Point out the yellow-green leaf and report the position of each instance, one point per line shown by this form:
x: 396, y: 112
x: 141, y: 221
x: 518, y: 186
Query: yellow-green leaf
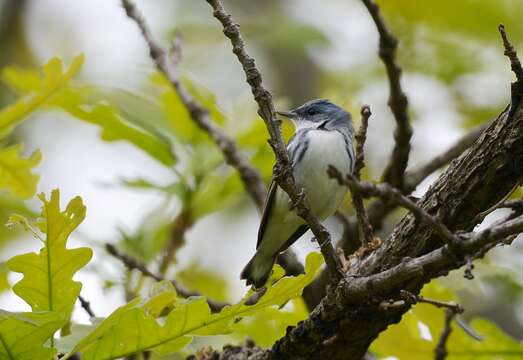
x: 495, y: 344
x: 47, y: 284
x: 114, y: 127
x: 54, y: 80
x: 16, y: 171
x: 416, y: 336
x: 133, y: 328
x: 23, y: 335
x: 4, y: 283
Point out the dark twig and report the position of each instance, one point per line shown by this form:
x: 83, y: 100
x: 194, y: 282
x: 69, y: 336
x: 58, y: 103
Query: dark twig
x: 511, y: 53
x: 366, y: 233
x: 390, y: 194
x: 134, y: 264
x: 408, y: 299
x: 469, y: 266
x: 176, y: 240
x: 86, y: 305
x: 283, y: 168
x: 440, y: 352
x: 414, y: 299
x: 199, y: 114
x: 377, y: 210
x: 398, y: 102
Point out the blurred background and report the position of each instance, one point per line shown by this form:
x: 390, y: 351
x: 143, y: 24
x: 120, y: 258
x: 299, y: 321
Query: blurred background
x: 455, y: 75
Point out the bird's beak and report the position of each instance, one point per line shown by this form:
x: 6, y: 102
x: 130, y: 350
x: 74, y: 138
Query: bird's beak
x: 287, y: 114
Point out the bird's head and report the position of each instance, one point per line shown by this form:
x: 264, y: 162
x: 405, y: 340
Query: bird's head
x: 318, y: 113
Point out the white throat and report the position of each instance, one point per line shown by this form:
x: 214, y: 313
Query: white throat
x: 304, y: 124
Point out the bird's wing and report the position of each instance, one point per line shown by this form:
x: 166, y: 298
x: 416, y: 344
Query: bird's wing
x: 296, y: 148
x: 295, y: 236
x: 271, y: 195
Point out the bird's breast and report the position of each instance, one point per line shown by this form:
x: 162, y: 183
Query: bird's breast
x: 324, y: 148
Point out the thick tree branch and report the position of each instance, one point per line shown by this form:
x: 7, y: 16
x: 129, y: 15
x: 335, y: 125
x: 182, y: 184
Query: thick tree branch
x: 414, y: 254
x: 378, y: 210
x: 133, y: 264
x: 199, y: 114
x: 398, y: 102
x: 283, y: 169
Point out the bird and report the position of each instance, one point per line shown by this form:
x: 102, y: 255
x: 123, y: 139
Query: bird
x: 323, y: 136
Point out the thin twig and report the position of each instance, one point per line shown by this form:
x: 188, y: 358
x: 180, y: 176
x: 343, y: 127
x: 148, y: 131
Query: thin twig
x: 390, y: 194
x: 469, y: 266
x: 440, y: 352
x: 176, y: 240
x: 398, y: 102
x: 134, y: 264
x: 414, y: 299
x: 365, y: 228
x: 86, y: 305
x: 511, y: 53
x: 408, y: 299
x: 283, y: 169
x: 378, y: 210
x: 251, y: 177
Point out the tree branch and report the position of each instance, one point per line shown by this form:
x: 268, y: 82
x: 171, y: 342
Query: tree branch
x: 133, y: 264
x: 413, y: 254
x: 398, y: 102
x: 392, y: 195
x: 366, y: 232
x: 440, y: 351
x: 86, y: 305
x: 199, y: 114
x: 511, y: 53
x: 283, y: 174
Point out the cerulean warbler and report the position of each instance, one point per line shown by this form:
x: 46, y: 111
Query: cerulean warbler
x: 323, y: 137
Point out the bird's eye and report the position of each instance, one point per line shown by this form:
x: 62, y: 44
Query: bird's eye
x: 312, y: 111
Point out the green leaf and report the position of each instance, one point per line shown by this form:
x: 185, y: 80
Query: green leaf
x: 405, y: 341
x: 179, y: 120
x: 15, y: 171
x: 8, y: 205
x: 207, y: 282
x: 54, y: 79
x: 150, y: 237
x: 495, y: 344
x: 270, y: 324
x: 133, y: 327
x: 115, y: 127
x: 47, y: 284
x: 4, y: 283
x: 215, y: 192
x: 78, y: 101
x: 23, y: 335
x: 177, y: 188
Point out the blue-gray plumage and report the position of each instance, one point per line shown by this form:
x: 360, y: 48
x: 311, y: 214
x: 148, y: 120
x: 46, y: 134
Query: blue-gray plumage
x: 323, y: 137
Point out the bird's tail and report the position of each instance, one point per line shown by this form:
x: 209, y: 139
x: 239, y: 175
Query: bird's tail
x: 258, y: 270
